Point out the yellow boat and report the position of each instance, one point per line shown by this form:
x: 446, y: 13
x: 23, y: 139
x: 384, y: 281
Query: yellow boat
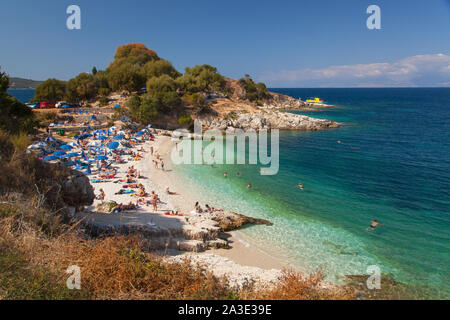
x: 314, y: 100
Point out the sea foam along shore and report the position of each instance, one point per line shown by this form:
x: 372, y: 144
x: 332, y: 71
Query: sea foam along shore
x: 240, y: 262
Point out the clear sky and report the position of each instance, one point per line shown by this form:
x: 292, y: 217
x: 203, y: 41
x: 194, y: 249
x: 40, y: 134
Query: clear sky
x: 283, y: 43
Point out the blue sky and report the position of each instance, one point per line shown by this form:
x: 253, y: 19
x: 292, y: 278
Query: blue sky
x: 283, y: 43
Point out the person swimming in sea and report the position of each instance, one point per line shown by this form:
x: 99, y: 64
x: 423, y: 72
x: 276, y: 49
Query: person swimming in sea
x: 300, y: 186
x: 373, y: 225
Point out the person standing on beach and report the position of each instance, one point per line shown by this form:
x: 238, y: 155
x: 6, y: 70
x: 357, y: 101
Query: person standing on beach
x: 151, y: 150
x: 162, y: 165
x: 155, y: 201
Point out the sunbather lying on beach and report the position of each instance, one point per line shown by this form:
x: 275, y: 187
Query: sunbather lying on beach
x: 124, y: 191
x: 168, y: 192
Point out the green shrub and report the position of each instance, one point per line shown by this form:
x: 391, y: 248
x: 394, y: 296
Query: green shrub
x: 185, y: 119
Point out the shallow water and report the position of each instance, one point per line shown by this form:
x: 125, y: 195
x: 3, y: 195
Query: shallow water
x: 393, y: 165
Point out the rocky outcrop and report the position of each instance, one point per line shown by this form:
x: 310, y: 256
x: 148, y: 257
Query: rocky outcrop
x: 77, y: 191
x: 283, y: 102
x: 268, y: 120
x: 197, y: 233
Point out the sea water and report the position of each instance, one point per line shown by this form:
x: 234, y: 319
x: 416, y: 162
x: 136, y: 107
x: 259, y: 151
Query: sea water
x: 392, y: 164
x: 390, y: 160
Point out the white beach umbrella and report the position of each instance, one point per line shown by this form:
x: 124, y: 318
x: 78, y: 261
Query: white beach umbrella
x: 93, y: 144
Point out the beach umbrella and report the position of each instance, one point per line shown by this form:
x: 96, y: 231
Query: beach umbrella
x: 93, y: 144
x: 50, y: 158
x: 41, y: 144
x: 59, y: 153
x: 72, y: 154
x: 139, y: 134
x: 66, y: 147
x: 48, y: 139
x: 73, y: 144
x: 102, y: 138
x: 101, y: 158
x: 69, y: 163
x: 117, y: 106
x: 149, y: 126
x: 113, y: 145
x: 82, y: 137
x: 119, y: 137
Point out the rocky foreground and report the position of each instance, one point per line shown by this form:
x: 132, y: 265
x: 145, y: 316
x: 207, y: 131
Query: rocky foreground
x: 195, y: 233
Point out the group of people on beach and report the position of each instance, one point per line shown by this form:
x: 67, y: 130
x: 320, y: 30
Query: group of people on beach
x: 198, y: 209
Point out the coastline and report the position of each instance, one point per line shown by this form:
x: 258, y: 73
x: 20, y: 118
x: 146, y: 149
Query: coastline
x: 242, y: 251
x: 241, y: 262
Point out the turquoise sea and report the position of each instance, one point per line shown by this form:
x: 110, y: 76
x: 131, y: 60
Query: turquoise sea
x: 393, y: 164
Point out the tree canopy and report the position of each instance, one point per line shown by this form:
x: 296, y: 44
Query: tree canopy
x: 201, y: 78
x: 83, y: 87
x: 52, y: 90
x: 254, y: 91
x: 15, y: 117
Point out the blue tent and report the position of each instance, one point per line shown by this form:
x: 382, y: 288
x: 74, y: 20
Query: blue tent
x: 113, y: 145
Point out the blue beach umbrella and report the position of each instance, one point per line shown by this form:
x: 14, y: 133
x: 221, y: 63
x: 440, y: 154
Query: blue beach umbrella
x: 120, y: 137
x: 102, y: 138
x: 50, y: 158
x: 72, y: 154
x: 113, y: 145
x: 101, y: 158
x: 139, y: 134
x: 59, y: 153
x: 117, y: 106
x: 66, y: 147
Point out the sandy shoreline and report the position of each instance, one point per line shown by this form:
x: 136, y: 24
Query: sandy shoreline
x: 243, y: 262
x: 242, y: 252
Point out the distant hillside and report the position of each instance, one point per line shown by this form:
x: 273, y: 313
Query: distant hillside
x: 19, y: 83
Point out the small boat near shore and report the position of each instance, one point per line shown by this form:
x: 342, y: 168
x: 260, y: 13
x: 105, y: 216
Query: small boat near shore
x: 314, y: 100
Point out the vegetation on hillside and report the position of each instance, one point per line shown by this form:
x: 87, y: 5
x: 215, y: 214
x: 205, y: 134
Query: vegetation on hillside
x: 136, y: 67
x: 254, y: 91
x: 15, y: 117
x: 20, y: 83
